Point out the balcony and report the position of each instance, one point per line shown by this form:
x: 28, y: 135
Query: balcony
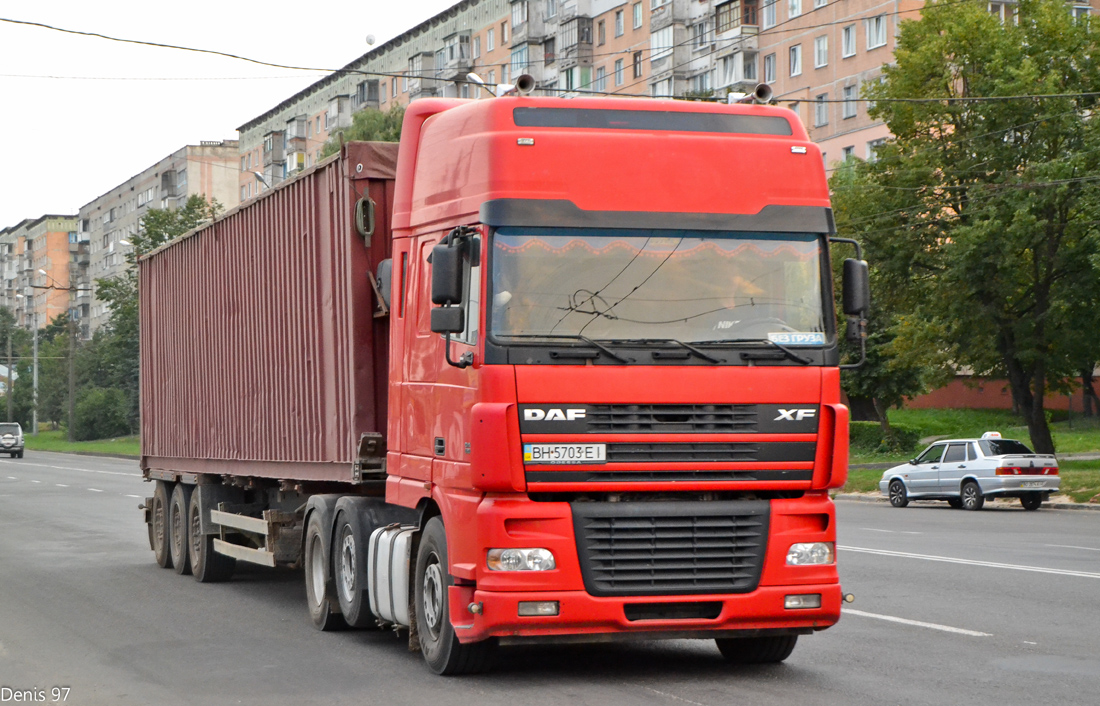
x: 671, y: 12
x: 574, y: 45
x: 273, y: 148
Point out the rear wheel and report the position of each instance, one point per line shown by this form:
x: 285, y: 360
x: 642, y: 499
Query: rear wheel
x: 178, y: 529
x: 317, y: 567
x: 159, y: 524
x: 438, y: 642
x: 1031, y: 501
x: 898, y: 496
x: 350, y: 574
x: 756, y: 650
x: 972, y: 498
x: 206, y: 564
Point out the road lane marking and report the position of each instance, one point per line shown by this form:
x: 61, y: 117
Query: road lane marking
x: 133, y: 496
x: 36, y: 481
x: 972, y: 562
x: 73, y: 468
x: 12, y: 478
x: 915, y: 623
x: 872, y: 529
x: 1070, y: 546
x: 61, y: 485
x: 95, y: 490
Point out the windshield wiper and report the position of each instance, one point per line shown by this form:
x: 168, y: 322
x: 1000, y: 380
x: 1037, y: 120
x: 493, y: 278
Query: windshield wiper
x: 787, y: 352
x: 686, y: 346
x: 575, y: 336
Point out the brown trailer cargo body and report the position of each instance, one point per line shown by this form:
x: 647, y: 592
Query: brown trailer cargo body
x: 260, y: 352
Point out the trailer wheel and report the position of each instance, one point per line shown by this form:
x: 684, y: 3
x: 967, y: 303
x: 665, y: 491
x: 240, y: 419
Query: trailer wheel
x: 318, y: 571
x: 756, y: 650
x: 438, y: 642
x: 349, y: 572
x: 159, y: 524
x: 177, y: 528
x: 207, y: 565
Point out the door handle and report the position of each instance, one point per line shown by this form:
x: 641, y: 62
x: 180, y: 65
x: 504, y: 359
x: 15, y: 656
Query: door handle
x: 935, y: 468
x: 962, y: 466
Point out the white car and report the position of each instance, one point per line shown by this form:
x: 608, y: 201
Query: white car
x: 11, y: 439
x: 965, y: 472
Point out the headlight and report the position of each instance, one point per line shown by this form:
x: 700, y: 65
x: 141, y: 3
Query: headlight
x: 521, y: 560
x: 811, y: 553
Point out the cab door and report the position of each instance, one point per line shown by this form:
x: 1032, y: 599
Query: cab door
x: 953, y: 467
x: 924, y: 477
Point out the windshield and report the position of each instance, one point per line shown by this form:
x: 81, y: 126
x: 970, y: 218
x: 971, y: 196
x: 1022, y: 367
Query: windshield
x: 9, y: 429
x: 694, y: 286
x: 1002, y: 447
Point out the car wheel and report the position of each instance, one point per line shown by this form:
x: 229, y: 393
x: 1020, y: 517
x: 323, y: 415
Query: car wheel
x: 159, y: 524
x: 898, y: 496
x: 955, y: 502
x: 1031, y: 501
x: 207, y: 566
x: 972, y: 498
x: 320, y: 594
x: 756, y: 650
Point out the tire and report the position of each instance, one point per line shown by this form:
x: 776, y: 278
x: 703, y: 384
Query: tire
x: 756, y: 650
x: 349, y: 571
x: 898, y: 497
x: 956, y: 503
x: 20, y: 455
x: 323, y: 608
x: 159, y: 524
x: 442, y: 651
x: 1031, y: 501
x: 972, y: 498
x: 207, y: 566
x: 178, y: 530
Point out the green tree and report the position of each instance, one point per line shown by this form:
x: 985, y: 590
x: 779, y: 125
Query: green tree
x: 368, y: 125
x: 981, y: 212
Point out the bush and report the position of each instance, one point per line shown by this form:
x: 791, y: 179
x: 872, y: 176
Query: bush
x: 867, y: 437
x: 101, y: 414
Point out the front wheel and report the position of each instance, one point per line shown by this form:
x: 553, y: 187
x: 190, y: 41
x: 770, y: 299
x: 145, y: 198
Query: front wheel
x: 898, y: 496
x: 972, y: 498
x: 756, y: 650
x: 438, y: 642
x: 1031, y: 501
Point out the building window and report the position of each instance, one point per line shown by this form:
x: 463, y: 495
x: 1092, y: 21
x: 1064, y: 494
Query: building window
x: 699, y: 35
x: 794, y: 8
x: 796, y: 60
x: 477, y: 47
x: 519, y: 15
x: 821, y: 110
x: 489, y: 45
x: 637, y: 15
x: 700, y: 84
x: 750, y: 66
x: 849, y: 152
x: 876, y: 31
x: 769, y: 14
x: 728, y: 16
x: 660, y: 43
x: 600, y: 84
x: 729, y: 70
x: 619, y: 23
x: 551, y: 8
x: 819, y: 3
x: 619, y: 72
x: 873, y: 147
x: 549, y: 50
x: 1080, y: 12
x: 503, y: 33
x: 1005, y: 11
x: 663, y: 89
x: 821, y: 51
x: 849, y: 105
x: 519, y: 61
x: 769, y: 68
x: 637, y: 64
x: 601, y: 33
x: 848, y: 41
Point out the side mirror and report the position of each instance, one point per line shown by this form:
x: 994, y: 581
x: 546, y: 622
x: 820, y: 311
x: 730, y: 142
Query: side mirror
x: 446, y: 276
x: 857, y: 288
x: 448, y: 319
x: 912, y: 462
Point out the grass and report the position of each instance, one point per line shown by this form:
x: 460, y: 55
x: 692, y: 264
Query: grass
x: 58, y: 441
x: 1080, y: 479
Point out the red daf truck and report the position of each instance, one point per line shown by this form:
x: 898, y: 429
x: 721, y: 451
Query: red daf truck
x: 552, y: 370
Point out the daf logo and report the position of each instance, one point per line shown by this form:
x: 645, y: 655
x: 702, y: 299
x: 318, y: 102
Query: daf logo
x: 795, y: 415
x: 552, y: 415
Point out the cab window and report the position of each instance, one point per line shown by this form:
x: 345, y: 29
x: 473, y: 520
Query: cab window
x: 955, y: 453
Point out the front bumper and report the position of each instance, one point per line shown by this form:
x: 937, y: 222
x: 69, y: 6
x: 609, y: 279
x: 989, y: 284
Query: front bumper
x: 581, y: 614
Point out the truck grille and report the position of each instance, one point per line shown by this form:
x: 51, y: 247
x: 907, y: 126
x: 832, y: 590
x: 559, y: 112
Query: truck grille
x: 671, y: 548
x: 672, y: 418
x: 711, y: 452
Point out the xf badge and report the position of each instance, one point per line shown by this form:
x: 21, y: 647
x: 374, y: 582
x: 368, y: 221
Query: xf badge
x: 795, y: 415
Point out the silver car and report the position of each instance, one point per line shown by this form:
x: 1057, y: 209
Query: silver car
x: 11, y: 439
x: 965, y: 472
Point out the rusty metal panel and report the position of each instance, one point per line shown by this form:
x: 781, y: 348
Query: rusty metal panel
x: 258, y: 337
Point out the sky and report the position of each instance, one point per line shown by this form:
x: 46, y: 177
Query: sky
x: 80, y: 115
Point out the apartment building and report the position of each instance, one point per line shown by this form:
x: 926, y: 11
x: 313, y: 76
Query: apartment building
x: 44, y: 269
x: 107, y: 224
x: 817, y: 55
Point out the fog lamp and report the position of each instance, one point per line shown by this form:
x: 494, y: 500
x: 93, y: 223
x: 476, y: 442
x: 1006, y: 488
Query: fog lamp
x: 800, y: 602
x: 537, y: 608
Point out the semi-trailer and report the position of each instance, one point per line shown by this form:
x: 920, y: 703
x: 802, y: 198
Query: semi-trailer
x: 547, y: 370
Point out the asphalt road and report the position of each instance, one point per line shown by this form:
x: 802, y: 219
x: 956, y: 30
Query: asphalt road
x: 993, y: 607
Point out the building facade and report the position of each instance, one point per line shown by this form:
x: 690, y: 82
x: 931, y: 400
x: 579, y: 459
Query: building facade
x: 44, y: 268
x: 107, y: 224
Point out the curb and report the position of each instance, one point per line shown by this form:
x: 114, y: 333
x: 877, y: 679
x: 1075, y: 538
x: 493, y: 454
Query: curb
x: 868, y: 498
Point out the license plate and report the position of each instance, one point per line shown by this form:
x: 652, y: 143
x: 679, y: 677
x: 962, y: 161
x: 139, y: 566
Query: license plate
x: 1032, y: 484
x: 564, y: 453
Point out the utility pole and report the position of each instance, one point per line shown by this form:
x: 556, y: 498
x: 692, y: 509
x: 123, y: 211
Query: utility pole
x: 34, y: 395
x: 11, y: 391
x: 72, y: 374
